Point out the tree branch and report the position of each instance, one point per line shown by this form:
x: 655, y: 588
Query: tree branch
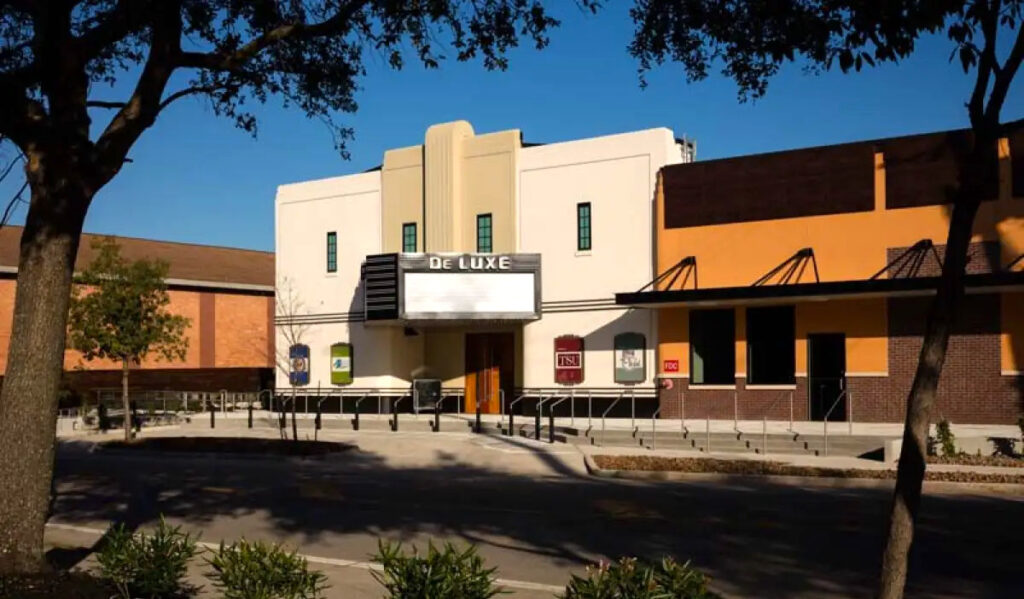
x: 987, y: 63
x: 142, y: 108
x: 125, y: 17
x: 231, y: 61
x: 104, y: 104
x: 188, y: 91
x: 1004, y: 77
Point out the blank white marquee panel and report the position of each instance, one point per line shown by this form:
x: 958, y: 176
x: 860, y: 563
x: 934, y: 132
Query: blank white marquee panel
x: 469, y: 293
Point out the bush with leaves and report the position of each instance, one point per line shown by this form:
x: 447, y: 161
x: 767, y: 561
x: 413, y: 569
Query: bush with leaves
x: 946, y: 438
x: 147, y: 566
x: 440, y: 574
x: 630, y: 579
x: 257, y: 570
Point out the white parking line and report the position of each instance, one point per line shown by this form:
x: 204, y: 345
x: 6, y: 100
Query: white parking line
x: 328, y: 561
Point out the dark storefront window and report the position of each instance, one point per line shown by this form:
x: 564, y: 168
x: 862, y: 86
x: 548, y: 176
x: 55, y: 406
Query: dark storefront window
x: 771, y: 345
x: 583, y: 240
x: 332, y: 252
x: 484, y: 234
x: 712, y: 347
x: 409, y: 237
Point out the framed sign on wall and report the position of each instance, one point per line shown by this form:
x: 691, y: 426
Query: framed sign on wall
x: 341, y: 364
x: 569, y: 360
x: 630, y: 358
x: 298, y: 360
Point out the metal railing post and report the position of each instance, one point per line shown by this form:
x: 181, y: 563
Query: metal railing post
x: 654, y: 428
x: 682, y: 413
x: 536, y: 418
x: 590, y: 410
x: 551, y: 423
x: 477, y: 425
x: 213, y: 415
x: 736, y: 410
x: 632, y: 411
x: 707, y: 442
x: 825, y: 424
x: 572, y: 407
x: 605, y: 414
x: 790, y: 411
x: 223, y: 401
x: 437, y: 415
x: 250, y: 414
x: 849, y: 410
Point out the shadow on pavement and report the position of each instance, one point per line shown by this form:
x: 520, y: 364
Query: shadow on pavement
x: 755, y: 540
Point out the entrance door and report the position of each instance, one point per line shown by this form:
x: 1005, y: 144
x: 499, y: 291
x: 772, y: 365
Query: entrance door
x: 489, y: 364
x: 826, y: 375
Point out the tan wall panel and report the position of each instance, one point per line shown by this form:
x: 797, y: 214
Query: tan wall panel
x: 1011, y: 338
x: 442, y: 185
x: 240, y: 338
x: 488, y: 187
x: 445, y: 355
x: 401, y: 196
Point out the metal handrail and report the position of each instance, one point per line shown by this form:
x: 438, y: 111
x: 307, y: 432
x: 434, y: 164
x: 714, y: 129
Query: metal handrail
x: 603, y: 424
x: 394, y: 414
x: 551, y: 418
x: 537, y: 416
x: 829, y: 413
x: 764, y: 415
x: 654, y: 428
x: 511, y: 414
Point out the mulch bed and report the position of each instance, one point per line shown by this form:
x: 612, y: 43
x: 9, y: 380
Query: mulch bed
x: 967, y: 459
x: 60, y: 585
x: 759, y: 467
x: 232, y: 445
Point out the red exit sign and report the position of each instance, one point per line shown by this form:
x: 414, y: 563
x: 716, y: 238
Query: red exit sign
x: 671, y: 366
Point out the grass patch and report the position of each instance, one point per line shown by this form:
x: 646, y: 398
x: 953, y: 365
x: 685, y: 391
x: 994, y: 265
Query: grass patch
x: 232, y: 445
x: 769, y: 468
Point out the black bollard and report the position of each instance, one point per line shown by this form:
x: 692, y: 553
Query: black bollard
x: 213, y: 415
x: 536, y: 422
x: 551, y: 425
x: 437, y: 417
x: 282, y: 419
x: 511, y: 422
x: 355, y: 421
x: 250, y: 414
x: 295, y: 428
x: 478, y: 417
x: 394, y: 416
x: 136, y: 423
x: 317, y: 422
x: 104, y: 418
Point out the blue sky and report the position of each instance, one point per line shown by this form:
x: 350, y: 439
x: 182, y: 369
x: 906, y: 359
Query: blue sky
x: 195, y: 178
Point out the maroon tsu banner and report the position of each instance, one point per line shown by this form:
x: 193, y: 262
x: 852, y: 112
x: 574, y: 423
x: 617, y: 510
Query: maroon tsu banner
x: 568, y: 360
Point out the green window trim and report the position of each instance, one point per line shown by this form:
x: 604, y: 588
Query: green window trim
x: 484, y: 234
x: 409, y: 238
x: 584, y: 239
x: 332, y: 251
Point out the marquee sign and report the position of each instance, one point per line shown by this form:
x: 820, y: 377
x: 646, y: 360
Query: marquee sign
x: 341, y: 364
x: 569, y: 360
x: 449, y: 286
x: 630, y: 358
x: 298, y: 361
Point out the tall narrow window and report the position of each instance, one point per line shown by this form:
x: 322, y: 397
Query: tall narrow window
x: 771, y: 345
x: 409, y: 237
x: 484, y: 234
x: 332, y: 252
x: 583, y: 240
x: 712, y: 342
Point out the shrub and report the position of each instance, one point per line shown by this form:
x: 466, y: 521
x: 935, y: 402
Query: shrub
x: 245, y: 570
x: 147, y: 566
x: 449, y: 572
x: 947, y: 441
x: 629, y: 579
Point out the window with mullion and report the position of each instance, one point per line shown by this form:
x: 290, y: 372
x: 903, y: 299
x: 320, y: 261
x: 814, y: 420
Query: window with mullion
x: 409, y: 237
x: 332, y: 252
x: 583, y: 227
x: 484, y: 234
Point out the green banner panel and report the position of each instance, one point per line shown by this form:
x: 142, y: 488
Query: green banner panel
x: 341, y: 364
x: 630, y: 358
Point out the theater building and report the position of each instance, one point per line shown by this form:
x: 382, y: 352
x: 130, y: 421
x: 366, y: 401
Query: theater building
x: 478, y: 260
x: 798, y: 282
x: 226, y: 293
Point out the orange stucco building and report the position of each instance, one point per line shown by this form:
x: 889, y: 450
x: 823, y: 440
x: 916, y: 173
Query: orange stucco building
x: 799, y: 281
x: 226, y: 293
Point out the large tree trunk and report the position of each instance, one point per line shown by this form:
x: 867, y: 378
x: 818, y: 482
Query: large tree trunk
x: 128, y: 414
x: 28, y: 402
x: 941, y: 317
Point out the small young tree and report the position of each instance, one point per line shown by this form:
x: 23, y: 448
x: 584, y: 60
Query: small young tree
x: 119, y: 312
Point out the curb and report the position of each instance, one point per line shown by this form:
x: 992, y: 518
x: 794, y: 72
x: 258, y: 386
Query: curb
x: 933, y: 486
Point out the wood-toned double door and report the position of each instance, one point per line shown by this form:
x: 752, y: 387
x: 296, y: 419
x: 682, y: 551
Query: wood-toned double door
x: 490, y: 361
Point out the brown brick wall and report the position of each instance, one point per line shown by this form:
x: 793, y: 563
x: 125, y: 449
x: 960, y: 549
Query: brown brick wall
x: 971, y: 390
x: 172, y: 379
x: 241, y: 331
x: 983, y: 257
